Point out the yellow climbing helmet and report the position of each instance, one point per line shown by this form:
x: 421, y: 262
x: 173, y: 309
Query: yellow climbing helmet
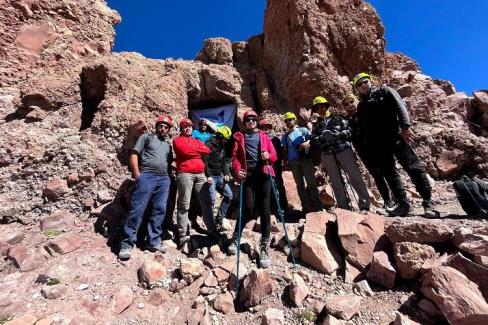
x: 360, y: 76
x: 289, y: 115
x: 225, y: 131
x: 320, y: 100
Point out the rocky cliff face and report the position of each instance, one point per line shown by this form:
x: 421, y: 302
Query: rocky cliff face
x: 70, y: 108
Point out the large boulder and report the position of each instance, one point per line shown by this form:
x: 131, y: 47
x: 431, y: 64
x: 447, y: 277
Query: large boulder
x: 473, y: 241
x: 257, y: 286
x: 317, y: 249
x: 473, y: 271
x: 360, y: 235
x: 458, y: 298
x: 409, y: 258
x: 419, y: 231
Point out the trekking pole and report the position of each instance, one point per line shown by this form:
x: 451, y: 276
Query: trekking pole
x: 239, y: 225
x: 280, y: 211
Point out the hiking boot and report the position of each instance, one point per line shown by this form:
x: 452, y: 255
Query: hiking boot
x: 160, y: 248
x: 401, y: 210
x: 429, y: 210
x: 389, y: 205
x: 232, y: 248
x: 264, y: 260
x: 125, y: 253
x: 183, y: 241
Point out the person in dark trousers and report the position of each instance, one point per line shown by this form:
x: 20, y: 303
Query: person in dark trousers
x: 332, y: 134
x: 191, y: 178
x: 217, y: 172
x: 152, y: 184
x: 385, y: 126
x: 296, y: 144
x: 252, y: 160
x: 349, y: 103
x: 267, y: 127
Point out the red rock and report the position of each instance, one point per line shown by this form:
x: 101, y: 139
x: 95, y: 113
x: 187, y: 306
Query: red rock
x: 421, y: 231
x: 316, y: 222
x: 331, y: 320
x: 352, y: 273
x: 257, y: 286
x: 191, y: 269
x: 429, y: 308
x: 53, y: 292
x: 65, y: 243
x: 473, y: 271
x: 151, y: 272
x: 433, y: 263
x: 273, y: 316
x: 73, y: 179
x: 343, y: 307
x: 122, y: 300
x: 381, y: 270
x: 481, y: 100
x: 216, y: 50
x: 298, y: 290
x: 449, y: 162
x: 12, y: 237
x: 33, y: 38
x: 360, y: 235
x: 211, y: 280
x: 158, y: 297
x: 45, y: 321
x: 61, y: 220
x: 458, y: 298
x: 224, y: 303
x: 363, y: 289
x: 24, y: 259
x: 403, y: 320
x: 409, y: 258
x: 25, y: 319
x: 319, y: 252
x: 472, y: 241
x: 291, y: 191
x: 4, y: 248
x: 55, y: 189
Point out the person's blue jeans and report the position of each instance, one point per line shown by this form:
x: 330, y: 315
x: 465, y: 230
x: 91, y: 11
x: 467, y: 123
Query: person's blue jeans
x: 223, y: 188
x: 148, y: 187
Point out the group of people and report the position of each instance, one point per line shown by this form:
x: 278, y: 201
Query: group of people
x: 377, y: 126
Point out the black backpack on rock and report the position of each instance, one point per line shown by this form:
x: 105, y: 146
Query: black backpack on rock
x: 473, y: 196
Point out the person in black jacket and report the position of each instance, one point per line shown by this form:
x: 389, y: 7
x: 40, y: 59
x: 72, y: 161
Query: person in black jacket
x: 349, y: 103
x: 217, y: 172
x: 332, y: 134
x: 386, y: 133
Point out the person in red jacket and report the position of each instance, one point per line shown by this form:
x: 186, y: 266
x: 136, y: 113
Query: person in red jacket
x: 191, y: 177
x: 252, y: 159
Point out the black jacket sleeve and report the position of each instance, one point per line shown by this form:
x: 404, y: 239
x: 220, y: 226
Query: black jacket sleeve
x: 400, y: 107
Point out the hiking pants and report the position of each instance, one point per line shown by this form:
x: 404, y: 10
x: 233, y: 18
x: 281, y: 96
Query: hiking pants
x: 377, y: 175
x: 410, y: 162
x: 257, y: 187
x: 303, y: 171
x: 219, y: 185
x: 333, y: 162
x: 149, y: 187
x: 188, y: 183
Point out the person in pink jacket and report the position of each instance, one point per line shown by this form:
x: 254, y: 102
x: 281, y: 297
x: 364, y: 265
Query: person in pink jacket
x: 252, y: 159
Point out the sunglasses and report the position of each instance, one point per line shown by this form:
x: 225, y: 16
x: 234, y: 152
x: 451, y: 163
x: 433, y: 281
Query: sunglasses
x: 360, y: 83
x: 250, y: 120
x: 289, y: 120
x: 348, y: 103
x: 162, y: 126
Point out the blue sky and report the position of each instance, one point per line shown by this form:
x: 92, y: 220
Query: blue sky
x: 448, y: 39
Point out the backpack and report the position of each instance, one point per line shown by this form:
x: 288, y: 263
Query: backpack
x: 472, y: 194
